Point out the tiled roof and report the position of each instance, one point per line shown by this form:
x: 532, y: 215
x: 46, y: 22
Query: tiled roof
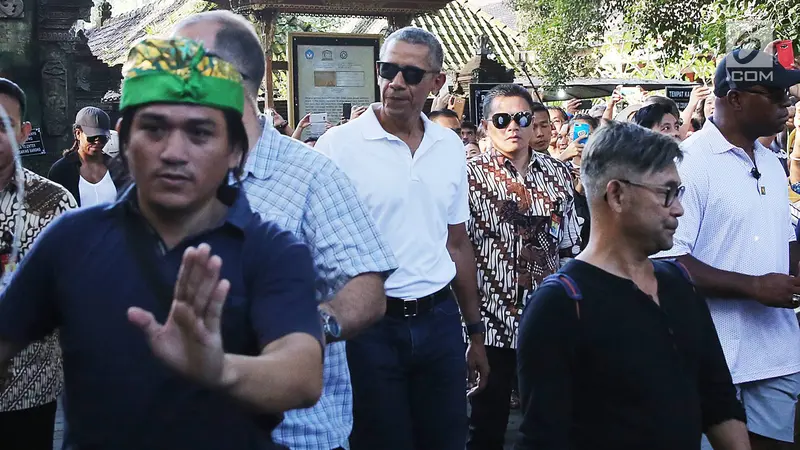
x: 458, y: 26
x: 112, y: 41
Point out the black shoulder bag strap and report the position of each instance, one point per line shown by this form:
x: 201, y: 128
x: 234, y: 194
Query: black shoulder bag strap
x: 140, y: 244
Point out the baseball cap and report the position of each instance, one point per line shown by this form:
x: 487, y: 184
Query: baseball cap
x: 93, y: 121
x: 743, y: 69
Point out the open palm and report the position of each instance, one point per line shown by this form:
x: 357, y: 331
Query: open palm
x: 190, y: 341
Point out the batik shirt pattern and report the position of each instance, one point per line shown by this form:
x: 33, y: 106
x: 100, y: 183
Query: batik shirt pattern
x: 36, y: 378
x: 522, y: 228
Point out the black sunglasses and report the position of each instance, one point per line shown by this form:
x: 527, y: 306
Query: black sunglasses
x: 411, y: 74
x: 778, y: 96
x: 95, y: 139
x: 671, y: 193
x: 503, y: 120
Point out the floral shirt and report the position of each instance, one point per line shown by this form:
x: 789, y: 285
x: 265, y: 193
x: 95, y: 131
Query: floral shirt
x: 522, y: 227
x: 35, y: 373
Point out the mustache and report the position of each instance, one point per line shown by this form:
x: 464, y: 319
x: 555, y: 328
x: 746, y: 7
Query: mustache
x: 175, y: 172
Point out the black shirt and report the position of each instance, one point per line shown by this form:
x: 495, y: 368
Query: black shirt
x: 618, y: 371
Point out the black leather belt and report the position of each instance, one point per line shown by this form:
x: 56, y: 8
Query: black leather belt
x: 401, y: 308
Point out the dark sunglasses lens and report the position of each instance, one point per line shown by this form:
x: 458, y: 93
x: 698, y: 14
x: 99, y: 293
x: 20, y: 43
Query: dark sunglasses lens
x: 96, y: 139
x: 523, y: 119
x: 413, y: 75
x: 501, y: 120
x: 388, y: 70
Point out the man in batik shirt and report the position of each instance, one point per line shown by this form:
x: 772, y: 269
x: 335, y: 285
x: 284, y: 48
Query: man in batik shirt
x: 522, y: 225
x: 33, y: 380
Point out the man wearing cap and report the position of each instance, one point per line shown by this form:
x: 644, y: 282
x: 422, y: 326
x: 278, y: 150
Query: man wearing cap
x: 84, y: 168
x: 28, y: 400
x: 227, y: 341
x: 735, y: 237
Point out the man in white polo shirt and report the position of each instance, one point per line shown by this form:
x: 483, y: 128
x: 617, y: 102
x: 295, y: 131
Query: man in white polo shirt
x: 408, y: 371
x: 735, y: 238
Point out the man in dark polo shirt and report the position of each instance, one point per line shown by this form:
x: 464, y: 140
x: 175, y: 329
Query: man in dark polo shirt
x: 167, y: 345
x: 617, y: 351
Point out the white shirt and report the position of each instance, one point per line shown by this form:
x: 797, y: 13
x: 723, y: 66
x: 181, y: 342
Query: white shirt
x: 736, y: 223
x: 92, y: 194
x: 412, y: 200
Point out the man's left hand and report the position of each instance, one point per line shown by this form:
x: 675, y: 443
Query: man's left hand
x: 190, y: 341
x: 477, y: 365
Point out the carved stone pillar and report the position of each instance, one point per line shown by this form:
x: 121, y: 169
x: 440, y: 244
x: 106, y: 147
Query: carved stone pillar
x: 264, y: 21
x: 397, y: 21
x: 57, y: 40
x: 14, y: 9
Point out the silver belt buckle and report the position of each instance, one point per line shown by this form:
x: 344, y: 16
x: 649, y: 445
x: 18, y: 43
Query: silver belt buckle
x: 407, y: 309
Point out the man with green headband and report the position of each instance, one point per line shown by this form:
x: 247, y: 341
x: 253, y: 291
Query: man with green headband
x: 228, y: 339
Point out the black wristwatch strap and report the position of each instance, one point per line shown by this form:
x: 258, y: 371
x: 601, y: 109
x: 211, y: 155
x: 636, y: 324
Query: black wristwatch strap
x: 476, y: 328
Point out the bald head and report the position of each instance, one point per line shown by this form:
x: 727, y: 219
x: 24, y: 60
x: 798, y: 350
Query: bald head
x: 232, y: 38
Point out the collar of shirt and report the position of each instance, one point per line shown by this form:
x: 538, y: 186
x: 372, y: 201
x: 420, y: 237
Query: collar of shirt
x: 719, y: 144
x: 504, y: 161
x: 264, y: 151
x: 238, y: 215
x: 372, y: 130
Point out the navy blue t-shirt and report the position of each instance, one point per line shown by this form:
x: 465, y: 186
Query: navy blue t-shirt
x: 80, y: 278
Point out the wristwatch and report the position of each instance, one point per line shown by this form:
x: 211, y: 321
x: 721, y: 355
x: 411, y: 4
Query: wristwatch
x: 476, y: 328
x: 333, y: 332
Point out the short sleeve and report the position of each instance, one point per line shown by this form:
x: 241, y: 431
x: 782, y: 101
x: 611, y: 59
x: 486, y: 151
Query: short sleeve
x: 28, y: 305
x: 694, y: 176
x: 459, y: 209
x: 344, y: 240
x: 281, y: 288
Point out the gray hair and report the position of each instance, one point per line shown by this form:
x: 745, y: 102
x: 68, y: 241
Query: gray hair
x: 619, y: 150
x: 418, y: 36
x: 236, y: 42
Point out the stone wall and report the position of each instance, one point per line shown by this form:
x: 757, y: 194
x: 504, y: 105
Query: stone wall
x: 17, y: 58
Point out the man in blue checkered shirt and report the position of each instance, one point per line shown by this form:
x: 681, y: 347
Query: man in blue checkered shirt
x: 304, y: 192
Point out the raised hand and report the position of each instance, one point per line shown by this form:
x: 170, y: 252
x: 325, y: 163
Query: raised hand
x: 573, y: 105
x: 190, y: 341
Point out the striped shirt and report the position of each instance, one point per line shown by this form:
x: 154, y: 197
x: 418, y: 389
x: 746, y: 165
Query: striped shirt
x: 521, y: 227
x: 304, y: 192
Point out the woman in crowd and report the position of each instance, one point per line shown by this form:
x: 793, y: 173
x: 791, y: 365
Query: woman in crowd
x: 84, y: 168
x: 659, y: 118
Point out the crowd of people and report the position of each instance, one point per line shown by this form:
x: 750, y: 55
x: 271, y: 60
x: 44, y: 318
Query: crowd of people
x: 219, y: 280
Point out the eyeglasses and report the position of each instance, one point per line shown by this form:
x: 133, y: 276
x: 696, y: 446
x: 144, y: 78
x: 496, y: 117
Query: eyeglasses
x: 503, y: 120
x: 778, y: 96
x: 102, y: 139
x: 411, y: 74
x: 671, y: 193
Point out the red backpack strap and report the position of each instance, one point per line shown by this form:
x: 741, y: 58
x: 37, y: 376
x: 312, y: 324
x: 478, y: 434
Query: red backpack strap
x: 569, y: 285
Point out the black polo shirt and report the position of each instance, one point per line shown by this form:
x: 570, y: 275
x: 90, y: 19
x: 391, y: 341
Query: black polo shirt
x: 619, y: 371
x: 81, y: 277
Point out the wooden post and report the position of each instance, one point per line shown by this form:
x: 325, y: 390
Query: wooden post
x: 264, y: 21
x: 397, y: 21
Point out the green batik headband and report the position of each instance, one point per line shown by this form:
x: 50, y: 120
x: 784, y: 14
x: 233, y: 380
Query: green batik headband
x: 179, y: 71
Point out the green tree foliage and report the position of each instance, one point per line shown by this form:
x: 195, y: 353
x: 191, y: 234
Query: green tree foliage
x: 568, y: 37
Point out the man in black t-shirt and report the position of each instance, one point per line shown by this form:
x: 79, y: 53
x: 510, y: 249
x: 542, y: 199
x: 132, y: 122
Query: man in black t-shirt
x: 616, y: 351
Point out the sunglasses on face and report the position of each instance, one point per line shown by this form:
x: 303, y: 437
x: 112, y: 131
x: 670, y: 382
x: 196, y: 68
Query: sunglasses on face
x: 102, y: 139
x: 503, y: 120
x: 778, y: 96
x: 411, y: 74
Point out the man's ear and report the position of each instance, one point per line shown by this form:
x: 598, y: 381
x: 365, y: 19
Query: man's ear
x: 24, y: 132
x: 119, y: 125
